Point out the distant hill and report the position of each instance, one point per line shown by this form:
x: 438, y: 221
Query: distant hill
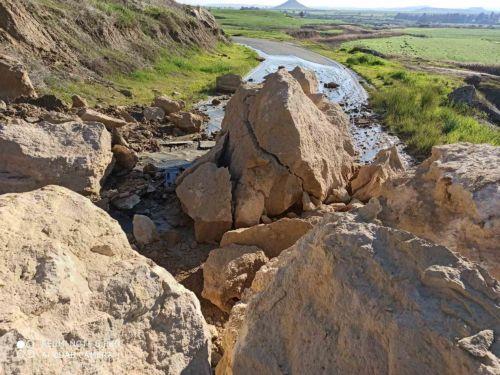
x: 291, y: 5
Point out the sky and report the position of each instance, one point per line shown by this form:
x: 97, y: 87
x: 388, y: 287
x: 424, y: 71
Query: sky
x: 488, y: 4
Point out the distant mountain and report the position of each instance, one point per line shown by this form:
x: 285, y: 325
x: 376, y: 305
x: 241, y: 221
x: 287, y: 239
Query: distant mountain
x: 291, y: 5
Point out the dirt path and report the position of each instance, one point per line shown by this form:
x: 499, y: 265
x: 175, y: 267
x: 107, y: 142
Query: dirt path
x: 270, y: 47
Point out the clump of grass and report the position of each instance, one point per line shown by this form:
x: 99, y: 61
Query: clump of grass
x: 364, y: 59
x: 125, y: 16
x: 420, y: 114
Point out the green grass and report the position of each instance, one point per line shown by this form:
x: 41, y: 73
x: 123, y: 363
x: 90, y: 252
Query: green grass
x: 126, y: 17
x: 442, y: 44
x: 414, y: 104
x: 192, y: 74
x: 264, y: 24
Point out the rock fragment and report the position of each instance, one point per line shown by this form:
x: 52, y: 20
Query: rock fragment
x: 87, y: 114
x: 205, y: 195
x: 75, y: 155
x: 14, y: 80
x: 228, y: 271
x: 144, y: 230
x: 228, y: 83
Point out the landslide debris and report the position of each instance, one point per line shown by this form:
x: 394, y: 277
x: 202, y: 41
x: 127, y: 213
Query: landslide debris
x: 276, y: 144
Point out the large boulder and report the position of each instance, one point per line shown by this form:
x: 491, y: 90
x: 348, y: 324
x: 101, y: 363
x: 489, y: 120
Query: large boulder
x: 14, y: 80
x: 452, y: 199
x: 370, y: 178
x: 205, y: 196
x: 356, y: 297
x: 272, y: 238
x: 228, y: 83
x: 75, y: 297
x: 278, y: 144
x: 228, y: 271
x: 75, y: 155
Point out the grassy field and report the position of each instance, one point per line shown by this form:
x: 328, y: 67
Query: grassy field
x: 260, y: 23
x: 414, y: 104
x: 440, y: 44
x: 191, y: 74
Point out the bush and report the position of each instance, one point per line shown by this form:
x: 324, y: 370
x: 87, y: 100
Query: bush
x: 364, y: 59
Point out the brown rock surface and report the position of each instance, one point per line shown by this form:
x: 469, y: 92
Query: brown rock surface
x: 205, y: 195
x: 228, y: 271
x: 110, y: 122
x: 370, y: 178
x: 14, y: 80
x: 168, y: 105
x: 228, y: 83
x: 125, y: 157
x: 187, y: 121
x: 453, y: 199
x: 78, y: 280
x: 356, y: 297
x: 75, y: 155
x: 271, y: 238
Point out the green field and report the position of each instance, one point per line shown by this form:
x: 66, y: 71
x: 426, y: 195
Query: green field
x: 414, y: 104
x: 261, y: 23
x: 191, y: 74
x: 440, y: 44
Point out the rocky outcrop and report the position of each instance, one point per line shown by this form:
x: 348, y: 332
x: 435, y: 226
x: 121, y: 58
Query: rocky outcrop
x: 75, y: 155
x: 357, y: 297
x: 72, y: 285
x: 228, y: 271
x: 370, y: 178
x: 452, y: 199
x: 14, y: 80
x: 271, y: 238
x: 228, y: 83
x: 205, y: 195
x: 277, y: 144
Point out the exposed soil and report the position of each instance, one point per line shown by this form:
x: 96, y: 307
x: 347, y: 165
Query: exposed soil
x: 85, y: 40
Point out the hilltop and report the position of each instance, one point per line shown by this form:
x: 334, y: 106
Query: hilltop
x: 291, y: 5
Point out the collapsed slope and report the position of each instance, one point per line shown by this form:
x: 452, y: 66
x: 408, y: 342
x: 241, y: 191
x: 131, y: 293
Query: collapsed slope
x: 70, y: 39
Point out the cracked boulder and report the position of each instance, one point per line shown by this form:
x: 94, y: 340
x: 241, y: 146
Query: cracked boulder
x: 453, y: 199
x: 69, y: 276
x: 355, y: 297
x: 72, y: 154
x: 277, y: 144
